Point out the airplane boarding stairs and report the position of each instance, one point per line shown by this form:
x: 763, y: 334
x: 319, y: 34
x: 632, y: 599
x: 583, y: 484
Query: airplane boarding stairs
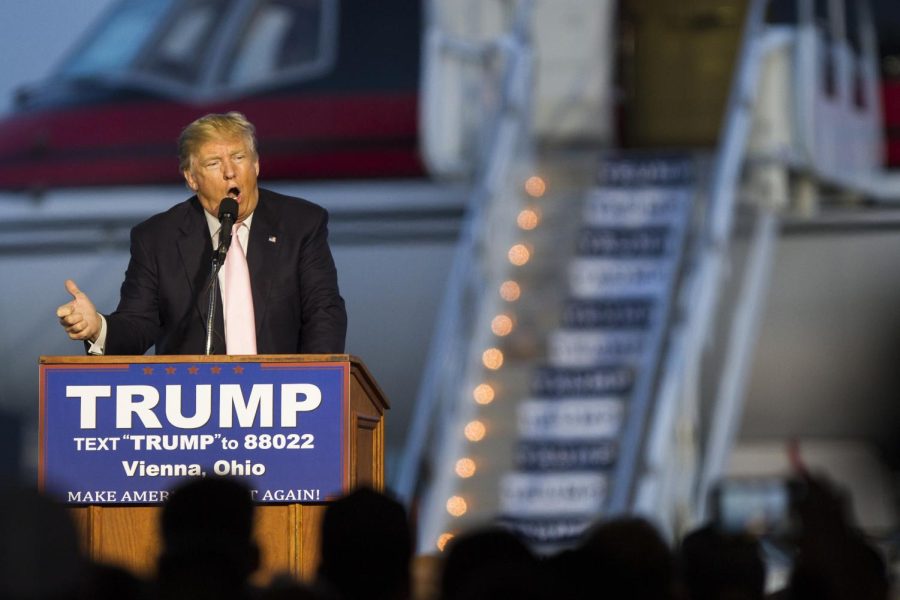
x: 581, y: 417
x: 596, y: 337
x: 558, y: 416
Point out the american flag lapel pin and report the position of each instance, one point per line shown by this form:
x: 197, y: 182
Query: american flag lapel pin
x: 273, y: 239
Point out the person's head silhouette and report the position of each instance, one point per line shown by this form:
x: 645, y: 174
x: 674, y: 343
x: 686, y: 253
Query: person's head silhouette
x: 39, y: 555
x: 366, y: 547
x: 207, y: 534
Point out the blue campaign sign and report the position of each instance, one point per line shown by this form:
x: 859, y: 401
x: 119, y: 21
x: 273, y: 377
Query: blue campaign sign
x: 127, y: 433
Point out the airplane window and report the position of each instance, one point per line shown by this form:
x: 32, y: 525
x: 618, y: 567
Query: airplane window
x: 181, y: 48
x: 117, y: 41
x: 282, y: 36
x: 183, y: 39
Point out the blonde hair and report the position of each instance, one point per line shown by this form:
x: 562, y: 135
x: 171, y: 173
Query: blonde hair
x: 210, y: 127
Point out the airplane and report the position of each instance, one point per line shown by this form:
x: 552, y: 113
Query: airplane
x: 331, y: 86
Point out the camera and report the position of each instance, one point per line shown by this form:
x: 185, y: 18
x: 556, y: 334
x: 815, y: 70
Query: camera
x: 757, y: 506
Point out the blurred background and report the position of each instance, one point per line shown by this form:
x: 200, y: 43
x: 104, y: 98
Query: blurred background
x: 598, y: 254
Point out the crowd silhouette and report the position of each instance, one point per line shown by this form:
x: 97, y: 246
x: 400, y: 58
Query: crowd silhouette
x: 209, y: 552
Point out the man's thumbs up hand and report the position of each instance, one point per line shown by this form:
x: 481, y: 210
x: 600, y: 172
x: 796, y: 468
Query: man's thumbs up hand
x: 79, y: 317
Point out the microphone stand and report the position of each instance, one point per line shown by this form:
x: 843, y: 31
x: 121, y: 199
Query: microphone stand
x: 213, y: 286
x: 228, y: 211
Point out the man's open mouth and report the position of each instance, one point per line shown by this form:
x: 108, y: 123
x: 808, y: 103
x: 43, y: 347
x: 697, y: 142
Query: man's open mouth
x: 234, y: 193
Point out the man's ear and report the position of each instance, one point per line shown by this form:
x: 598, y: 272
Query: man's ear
x: 189, y: 179
x: 256, y: 166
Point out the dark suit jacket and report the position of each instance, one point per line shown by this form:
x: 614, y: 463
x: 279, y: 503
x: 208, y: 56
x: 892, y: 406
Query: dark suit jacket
x: 297, y: 306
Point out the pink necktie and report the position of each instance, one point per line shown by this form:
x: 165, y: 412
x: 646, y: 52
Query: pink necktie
x: 237, y: 300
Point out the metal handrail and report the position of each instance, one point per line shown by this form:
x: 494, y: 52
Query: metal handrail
x: 736, y: 130
x: 439, y: 384
x: 699, y: 292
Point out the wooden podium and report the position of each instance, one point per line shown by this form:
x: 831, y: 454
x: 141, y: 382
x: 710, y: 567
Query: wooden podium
x: 288, y: 533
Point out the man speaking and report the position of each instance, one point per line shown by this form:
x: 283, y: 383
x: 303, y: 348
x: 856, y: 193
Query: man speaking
x: 279, y: 284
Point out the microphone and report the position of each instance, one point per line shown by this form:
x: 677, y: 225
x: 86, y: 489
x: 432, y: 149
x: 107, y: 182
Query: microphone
x: 228, y: 210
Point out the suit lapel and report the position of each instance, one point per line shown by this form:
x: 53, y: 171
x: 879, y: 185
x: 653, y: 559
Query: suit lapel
x: 262, y: 251
x: 195, y: 250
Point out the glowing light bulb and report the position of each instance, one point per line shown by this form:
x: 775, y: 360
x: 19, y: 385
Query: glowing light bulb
x: 442, y: 540
x: 457, y: 506
x: 465, y: 467
x: 535, y: 186
x: 475, y: 431
x: 483, y: 394
x: 501, y: 325
x: 510, y: 291
x: 519, y: 255
x: 528, y: 219
x: 492, y: 358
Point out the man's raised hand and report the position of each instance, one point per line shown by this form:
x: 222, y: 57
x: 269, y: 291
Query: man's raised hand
x: 79, y: 317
